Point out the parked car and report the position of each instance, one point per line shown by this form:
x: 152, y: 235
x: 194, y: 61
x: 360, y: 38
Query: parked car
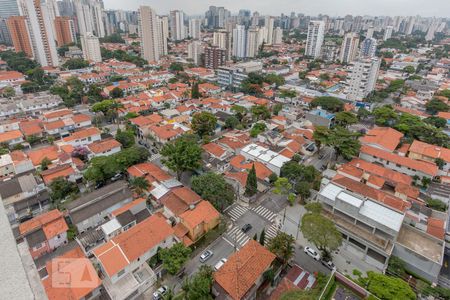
x: 313, y: 253
x: 160, y: 292
x: 246, y: 228
x: 329, y: 264
x: 116, y: 177
x: 206, y: 255
x: 220, y: 263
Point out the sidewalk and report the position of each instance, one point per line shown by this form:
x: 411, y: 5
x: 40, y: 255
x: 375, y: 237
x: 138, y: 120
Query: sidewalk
x: 344, y: 260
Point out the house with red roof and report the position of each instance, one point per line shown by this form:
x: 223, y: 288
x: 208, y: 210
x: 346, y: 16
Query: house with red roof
x: 243, y: 273
x: 104, y: 147
x: 430, y: 153
x: 83, y: 137
x: 84, y: 283
x: 127, y: 254
x: 44, y: 233
x: 384, y: 138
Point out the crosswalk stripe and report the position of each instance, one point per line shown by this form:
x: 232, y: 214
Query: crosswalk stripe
x: 237, y: 212
x: 264, y: 212
x: 236, y: 235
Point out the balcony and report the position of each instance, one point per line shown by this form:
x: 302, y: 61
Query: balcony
x: 381, y: 243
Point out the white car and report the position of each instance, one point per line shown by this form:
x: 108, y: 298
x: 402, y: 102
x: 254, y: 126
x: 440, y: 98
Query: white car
x: 206, y: 255
x: 160, y: 292
x: 220, y: 263
x: 313, y: 253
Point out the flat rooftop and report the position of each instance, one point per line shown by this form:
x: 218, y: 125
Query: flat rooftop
x: 421, y: 243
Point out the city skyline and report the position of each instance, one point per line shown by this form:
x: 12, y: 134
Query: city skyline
x: 434, y: 8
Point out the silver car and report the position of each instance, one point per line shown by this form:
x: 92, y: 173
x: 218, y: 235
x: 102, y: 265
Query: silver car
x: 206, y: 255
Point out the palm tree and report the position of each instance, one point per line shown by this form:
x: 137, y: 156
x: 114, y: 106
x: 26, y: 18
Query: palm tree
x: 282, y: 245
x: 139, y: 185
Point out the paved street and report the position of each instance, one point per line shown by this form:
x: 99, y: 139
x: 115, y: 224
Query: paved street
x: 318, y: 163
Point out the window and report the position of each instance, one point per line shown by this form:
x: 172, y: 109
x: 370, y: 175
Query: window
x: 121, y: 273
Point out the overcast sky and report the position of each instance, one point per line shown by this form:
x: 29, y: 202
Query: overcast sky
x: 440, y: 8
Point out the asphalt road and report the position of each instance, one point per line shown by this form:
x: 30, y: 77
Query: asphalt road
x: 317, y: 162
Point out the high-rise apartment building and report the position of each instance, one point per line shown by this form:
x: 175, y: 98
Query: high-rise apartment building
x: 252, y: 47
x: 370, y: 31
x: 17, y: 27
x: 40, y: 24
x: 368, y: 48
x: 349, y: 47
x: 362, y: 78
x: 91, y: 47
x: 222, y: 39
x: 214, y: 57
x: 277, y: 36
x: 239, y: 41
x: 163, y: 31
x: 195, y: 50
x: 8, y: 8
x: 151, y: 37
x: 314, y: 38
x: 195, y: 28
x: 217, y: 17
x: 65, y: 31
x: 90, y: 17
x: 269, y: 24
x: 177, y: 28
x: 388, y: 33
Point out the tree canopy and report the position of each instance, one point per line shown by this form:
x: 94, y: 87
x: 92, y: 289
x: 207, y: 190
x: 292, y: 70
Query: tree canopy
x: 387, y: 287
x: 345, y: 118
x: 182, y: 155
x: 126, y: 138
x: 199, y: 285
x: 344, y: 142
x: 434, y: 106
x: 213, y: 187
x: 61, y: 188
x: 75, y: 63
x: 175, y: 257
x: 282, y: 245
x: 204, y: 123
x: 251, y: 185
x: 332, y: 104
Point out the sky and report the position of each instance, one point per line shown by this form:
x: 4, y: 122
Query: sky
x: 426, y: 8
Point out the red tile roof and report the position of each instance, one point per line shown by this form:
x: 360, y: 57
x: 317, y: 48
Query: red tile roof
x: 431, y: 151
x: 52, y: 223
x: 128, y: 246
x: 214, y: 149
x: 103, y: 145
x: 243, y: 268
x: 203, y: 212
x: 385, y: 137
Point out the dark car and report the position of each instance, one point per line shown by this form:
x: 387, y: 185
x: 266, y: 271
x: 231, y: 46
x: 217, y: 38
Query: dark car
x: 246, y: 228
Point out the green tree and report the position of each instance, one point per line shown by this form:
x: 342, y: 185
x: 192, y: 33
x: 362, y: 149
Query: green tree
x: 282, y: 186
x: 139, y: 185
x: 199, y: 285
x: 175, y: 257
x: 322, y: 232
x: 204, y: 123
x: 116, y: 92
x: 183, y: 154
x: 434, y: 106
x: 213, y: 187
x: 436, y: 121
x: 409, y: 69
x: 61, y: 188
x: 385, y: 115
x: 176, y: 67
x: 320, y: 136
x: 195, y: 93
x: 260, y: 112
x: 8, y: 92
x: 75, y: 63
x: 346, y: 118
x: 344, y: 142
x: 363, y: 113
x: 332, y: 104
x: 114, y: 38
x: 239, y: 111
x: 45, y: 163
x: 231, y: 122
x: 288, y: 94
x: 251, y: 185
x: 126, y: 138
x: 277, y: 108
x: 282, y: 245
x: 262, y: 237
x: 257, y: 129
x: 303, y: 189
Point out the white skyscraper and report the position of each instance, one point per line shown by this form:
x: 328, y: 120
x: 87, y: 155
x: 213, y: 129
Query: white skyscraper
x: 177, y: 28
x: 163, y: 30
x: 222, y: 39
x: 368, y: 48
x: 315, y: 38
x: 91, y: 47
x: 269, y: 23
x: 362, y: 78
x: 195, y: 28
x: 239, y: 40
x: 252, y: 48
x: 388, y: 33
x: 277, y: 36
x: 349, y: 47
x: 90, y: 17
x: 148, y: 29
x: 41, y: 30
x: 195, y: 51
x: 370, y: 32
